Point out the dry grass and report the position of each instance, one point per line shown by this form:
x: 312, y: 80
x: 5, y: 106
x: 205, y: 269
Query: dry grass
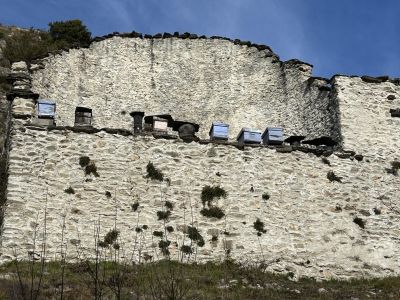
x: 206, y: 281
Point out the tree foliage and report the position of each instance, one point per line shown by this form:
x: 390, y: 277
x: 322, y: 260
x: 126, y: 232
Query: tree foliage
x: 71, y: 33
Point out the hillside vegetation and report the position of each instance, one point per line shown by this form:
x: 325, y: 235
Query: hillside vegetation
x: 170, y: 280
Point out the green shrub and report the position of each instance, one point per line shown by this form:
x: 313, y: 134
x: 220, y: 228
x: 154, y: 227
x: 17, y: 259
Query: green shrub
x: 195, y: 236
x: 91, y: 169
x: 108, y: 194
x: 158, y: 233
x: 163, y: 245
x: 326, y: 161
x: 163, y: 215
x: 69, y: 190
x: 145, y: 227
x: 84, y: 161
x: 135, y: 206
x: 214, y: 238
x: 265, y: 196
x: 154, y: 173
x: 209, y: 193
x: 186, y: 249
x: 332, y: 177
x: 138, y: 229
x: 71, y: 33
x: 360, y: 222
x: 111, y: 236
x: 259, y: 226
x: 110, y: 240
x: 212, y: 212
x: 395, y: 165
x: 28, y: 45
x: 169, y: 205
x: 170, y: 229
x: 102, y: 244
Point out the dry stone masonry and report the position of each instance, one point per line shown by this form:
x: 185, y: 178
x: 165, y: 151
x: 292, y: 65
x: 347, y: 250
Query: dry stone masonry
x: 326, y: 212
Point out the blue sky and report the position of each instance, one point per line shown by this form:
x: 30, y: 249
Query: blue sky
x: 354, y: 37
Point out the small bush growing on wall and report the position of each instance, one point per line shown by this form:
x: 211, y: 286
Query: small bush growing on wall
x: 163, y: 245
x: 158, y: 233
x: 163, y: 215
x: 360, y: 222
x: 169, y: 205
x: 326, y: 161
x: 259, y: 226
x: 135, y: 206
x: 186, y: 249
x: 110, y: 239
x: 265, y: 196
x: 108, y: 194
x: 111, y: 236
x: 90, y: 166
x: 213, y: 212
x: 170, y: 229
x: 195, y: 236
x: 395, y: 167
x: 84, y: 161
x: 333, y: 177
x: 91, y: 169
x: 69, y: 190
x: 153, y: 172
x: 209, y: 193
x: 138, y: 229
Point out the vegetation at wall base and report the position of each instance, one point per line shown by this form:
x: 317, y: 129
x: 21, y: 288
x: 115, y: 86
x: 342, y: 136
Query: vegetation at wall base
x: 225, y: 280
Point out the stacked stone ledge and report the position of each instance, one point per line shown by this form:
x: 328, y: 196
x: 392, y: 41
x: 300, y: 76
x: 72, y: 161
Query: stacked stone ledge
x: 23, y: 100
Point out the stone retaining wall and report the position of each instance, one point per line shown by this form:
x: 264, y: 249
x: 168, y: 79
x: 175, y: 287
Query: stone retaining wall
x: 309, y: 220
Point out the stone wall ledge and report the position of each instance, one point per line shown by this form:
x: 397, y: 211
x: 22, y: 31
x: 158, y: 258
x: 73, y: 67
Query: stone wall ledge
x: 369, y: 79
x: 192, y: 36
x: 316, y: 150
x: 165, y: 35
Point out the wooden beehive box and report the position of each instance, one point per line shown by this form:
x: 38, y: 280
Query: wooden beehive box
x: 249, y: 136
x: 219, y: 131
x: 273, y: 136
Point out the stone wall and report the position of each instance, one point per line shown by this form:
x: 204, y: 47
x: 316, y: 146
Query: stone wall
x: 367, y: 126
x: 201, y: 81
x: 309, y: 220
x: 314, y: 227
